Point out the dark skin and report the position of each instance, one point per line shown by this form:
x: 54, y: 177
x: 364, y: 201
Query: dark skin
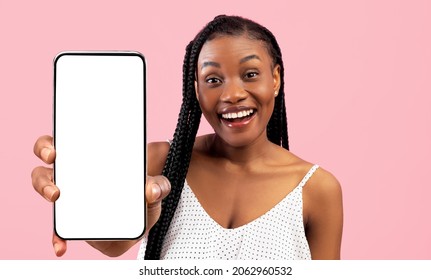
x: 237, y: 174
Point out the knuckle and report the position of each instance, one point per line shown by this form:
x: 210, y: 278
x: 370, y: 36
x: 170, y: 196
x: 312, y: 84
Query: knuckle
x: 35, y: 173
x: 167, y: 182
x: 39, y: 181
x: 156, y: 206
x: 150, y: 179
x: 38, y: 144
x: 40, y: 176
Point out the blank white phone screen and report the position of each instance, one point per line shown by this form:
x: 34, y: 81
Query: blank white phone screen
x: 99, y: 137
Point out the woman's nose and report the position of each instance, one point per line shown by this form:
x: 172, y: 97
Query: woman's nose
x: 233, y: 92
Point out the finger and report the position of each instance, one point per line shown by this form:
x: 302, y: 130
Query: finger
x: 41, y: 178
x: 44, y: 149
x: 158, y: 187
x: 60, y: 245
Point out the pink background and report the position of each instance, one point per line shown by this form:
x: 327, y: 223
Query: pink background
x: 358, y: 101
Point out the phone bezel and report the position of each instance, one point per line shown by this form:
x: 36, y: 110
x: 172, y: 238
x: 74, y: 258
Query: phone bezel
x: 102, y: 53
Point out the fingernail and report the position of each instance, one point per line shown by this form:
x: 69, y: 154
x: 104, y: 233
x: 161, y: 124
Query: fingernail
x: 45, y: 153
x: 156, y: 191
x: 49, y: 192
x: 56, y: 248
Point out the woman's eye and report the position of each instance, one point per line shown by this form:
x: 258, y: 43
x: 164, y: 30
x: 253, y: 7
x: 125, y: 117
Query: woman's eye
x: 251, y: 75
x: 213, y: 80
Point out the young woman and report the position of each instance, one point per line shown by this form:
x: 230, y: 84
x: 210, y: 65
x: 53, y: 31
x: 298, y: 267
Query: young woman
x: 238, y: 193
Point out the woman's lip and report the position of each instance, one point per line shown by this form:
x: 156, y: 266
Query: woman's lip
x: 234, y: 109
x: 238, y: 124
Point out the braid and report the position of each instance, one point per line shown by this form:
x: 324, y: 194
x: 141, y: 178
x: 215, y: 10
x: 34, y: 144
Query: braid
x: 178, y: 159
x: 179, y: 155
x: 277, y: 125
x: 176, y: 163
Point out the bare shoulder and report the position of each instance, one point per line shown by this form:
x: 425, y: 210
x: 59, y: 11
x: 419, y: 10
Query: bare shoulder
x: 323, y: 185
x: 321, y: 192
x: 157, y: 153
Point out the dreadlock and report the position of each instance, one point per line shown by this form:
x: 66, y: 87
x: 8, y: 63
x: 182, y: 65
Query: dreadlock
x: 179, y: 155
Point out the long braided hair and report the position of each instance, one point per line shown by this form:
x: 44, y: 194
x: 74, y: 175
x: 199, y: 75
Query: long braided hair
x: 179, y: 155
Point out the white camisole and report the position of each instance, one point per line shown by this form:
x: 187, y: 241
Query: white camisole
x: 278, y: 234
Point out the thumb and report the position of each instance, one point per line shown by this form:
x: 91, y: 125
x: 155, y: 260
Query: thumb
x: 157, y: 189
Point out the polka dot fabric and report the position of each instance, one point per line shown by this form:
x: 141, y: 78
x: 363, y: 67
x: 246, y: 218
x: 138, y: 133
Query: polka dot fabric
x: 278, y: 234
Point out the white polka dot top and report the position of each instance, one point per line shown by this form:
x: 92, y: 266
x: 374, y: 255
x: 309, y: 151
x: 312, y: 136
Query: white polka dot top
x: 278, y: 234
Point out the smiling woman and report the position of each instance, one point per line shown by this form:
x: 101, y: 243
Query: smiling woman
x: 239, y: 193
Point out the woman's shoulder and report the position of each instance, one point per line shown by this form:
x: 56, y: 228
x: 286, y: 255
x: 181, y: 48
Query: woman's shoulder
x: 157, y: 153
x: 321, y: 183
x: 323, y: 186
x: 322, y: 191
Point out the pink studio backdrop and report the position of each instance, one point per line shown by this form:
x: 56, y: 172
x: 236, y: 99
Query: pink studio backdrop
x: 358, y: 101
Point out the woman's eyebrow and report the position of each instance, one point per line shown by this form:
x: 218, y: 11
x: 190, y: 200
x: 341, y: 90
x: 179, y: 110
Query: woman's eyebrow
x: 210, y: 63
x: 249, y: 57
x: 244, y: 59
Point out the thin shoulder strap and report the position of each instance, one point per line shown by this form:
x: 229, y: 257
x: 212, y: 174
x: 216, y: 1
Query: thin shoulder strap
x: 308, y: 175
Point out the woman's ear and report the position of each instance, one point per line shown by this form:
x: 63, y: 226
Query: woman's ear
x: 276, y: 76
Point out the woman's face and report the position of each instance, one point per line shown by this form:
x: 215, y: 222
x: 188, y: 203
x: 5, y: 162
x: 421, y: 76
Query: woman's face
x: 236, y: 88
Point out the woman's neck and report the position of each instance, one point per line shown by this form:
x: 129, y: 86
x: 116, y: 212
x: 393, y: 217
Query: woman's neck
x: 243, y: 155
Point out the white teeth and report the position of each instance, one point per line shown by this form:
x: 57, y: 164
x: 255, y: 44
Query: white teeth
x: 240, y: 114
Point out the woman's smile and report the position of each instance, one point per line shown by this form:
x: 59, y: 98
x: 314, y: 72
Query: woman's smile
x: 237, y: 116
x: 236, y: 81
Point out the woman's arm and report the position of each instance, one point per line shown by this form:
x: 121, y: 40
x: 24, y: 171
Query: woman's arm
x: 323, y: 214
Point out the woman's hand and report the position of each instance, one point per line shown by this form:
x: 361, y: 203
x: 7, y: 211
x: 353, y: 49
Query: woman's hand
x: 157, y: 188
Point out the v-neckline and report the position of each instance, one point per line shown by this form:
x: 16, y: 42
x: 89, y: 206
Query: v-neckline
x: 186, y: 185
x: 277, y: 205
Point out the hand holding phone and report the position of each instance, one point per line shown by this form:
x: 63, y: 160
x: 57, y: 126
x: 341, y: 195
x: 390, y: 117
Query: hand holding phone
x: 156, y: 189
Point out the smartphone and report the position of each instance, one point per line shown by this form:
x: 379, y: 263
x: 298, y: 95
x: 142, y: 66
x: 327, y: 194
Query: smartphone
x: 100, y: 141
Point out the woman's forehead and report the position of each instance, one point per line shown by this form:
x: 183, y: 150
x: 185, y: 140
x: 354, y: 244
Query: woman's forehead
x: 232, y: 47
